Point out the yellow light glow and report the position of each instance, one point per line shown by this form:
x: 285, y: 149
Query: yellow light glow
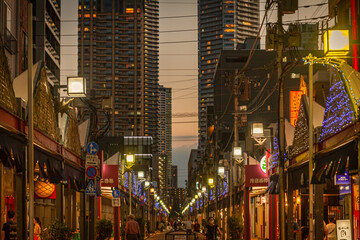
x: 130, y: 158
x: 298, y: 200
x: 336, y: 42
x: 211, y: 181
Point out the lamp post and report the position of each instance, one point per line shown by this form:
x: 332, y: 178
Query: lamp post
x: 130, y: 161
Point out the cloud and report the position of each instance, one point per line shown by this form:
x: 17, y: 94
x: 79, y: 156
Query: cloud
x: 180, y: 158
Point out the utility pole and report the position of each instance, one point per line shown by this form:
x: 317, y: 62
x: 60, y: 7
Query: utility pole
x: 236, y: 138
x: 130, y: 189
x: 311, y: 144
x: 30, y: 122
x: 281, y: 124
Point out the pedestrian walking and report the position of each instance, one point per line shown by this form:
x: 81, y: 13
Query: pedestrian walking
x: 10, y: 227
x: 161, y: 226
x: 37, y: 228
x: 212, y: 230
x: 197, y: 226
x: 132, y: 229
x: 188, y: 226
x: 331, y: 230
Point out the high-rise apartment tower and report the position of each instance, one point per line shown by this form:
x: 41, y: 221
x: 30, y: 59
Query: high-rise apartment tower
x: 222, y: 24
x: 118, y: 55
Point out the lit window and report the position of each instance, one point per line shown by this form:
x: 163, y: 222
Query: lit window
x: 87, y: 15
x: 229, y: 30
x: 247, y: 23
x: 129, y: 10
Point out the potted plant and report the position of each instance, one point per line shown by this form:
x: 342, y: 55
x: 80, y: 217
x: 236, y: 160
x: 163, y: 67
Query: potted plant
x: 104, y: 229
x: 57, y: 230
x: 236, y: 227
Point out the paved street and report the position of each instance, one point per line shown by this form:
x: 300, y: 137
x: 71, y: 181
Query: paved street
x: 158, y: 236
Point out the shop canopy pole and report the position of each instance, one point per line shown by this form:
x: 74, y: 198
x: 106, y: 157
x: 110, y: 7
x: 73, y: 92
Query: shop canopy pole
x: 311, y: 145
x: 30, y: 123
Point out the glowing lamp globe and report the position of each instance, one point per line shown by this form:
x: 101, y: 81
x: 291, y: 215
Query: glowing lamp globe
x: 44, y: 189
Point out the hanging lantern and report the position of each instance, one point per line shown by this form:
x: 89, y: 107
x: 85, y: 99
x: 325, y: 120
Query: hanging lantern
x: 44, y: 189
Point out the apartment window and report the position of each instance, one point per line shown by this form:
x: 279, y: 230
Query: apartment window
x: 24, y: 50
x: 8, y: 17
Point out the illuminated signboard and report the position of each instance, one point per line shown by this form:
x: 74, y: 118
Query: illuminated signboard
x: 295, y: 100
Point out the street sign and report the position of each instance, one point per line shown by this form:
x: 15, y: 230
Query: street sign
x: 116, y: 202
x: 142, y: 203
x: 92, y: 160
x: 142, y: 197
x: 91, y: 172
x: 90, y: 189
x: 116, y: 193
x: 92, y: 148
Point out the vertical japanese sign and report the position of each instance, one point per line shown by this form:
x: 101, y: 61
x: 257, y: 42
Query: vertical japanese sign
x: 295, y: 100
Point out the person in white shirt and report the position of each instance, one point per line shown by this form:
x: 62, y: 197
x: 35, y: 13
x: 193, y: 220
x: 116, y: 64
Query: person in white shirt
x: 331, y: 230
x: 188, y: 225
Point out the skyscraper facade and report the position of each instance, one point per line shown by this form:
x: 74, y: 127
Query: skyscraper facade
x: 118, y: 55
x: 222, y: 24
x: 165, y: 129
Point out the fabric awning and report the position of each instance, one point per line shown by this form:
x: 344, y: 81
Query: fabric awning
x: 15, y: 144
x: 50, y: 164
x: 75, y: 176
x: 336, y: 162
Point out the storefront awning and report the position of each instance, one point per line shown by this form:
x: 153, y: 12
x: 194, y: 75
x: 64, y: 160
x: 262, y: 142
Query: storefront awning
x: 336, y: 162
x: 15, y: 144
x: 50, y: 165
x: 75, y: 176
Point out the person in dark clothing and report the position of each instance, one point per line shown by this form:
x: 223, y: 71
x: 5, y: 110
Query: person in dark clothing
x: 197, y: 226
x: 10, y: 227
x: 212, y: 230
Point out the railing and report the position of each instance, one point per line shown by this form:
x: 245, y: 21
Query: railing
x: 10, y: 41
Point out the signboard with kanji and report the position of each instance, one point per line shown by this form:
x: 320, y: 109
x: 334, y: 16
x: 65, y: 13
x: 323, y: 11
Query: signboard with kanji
x: 295, y: 100
x: 110, y: 176
x: 343, y: 229
x: 255, y: 177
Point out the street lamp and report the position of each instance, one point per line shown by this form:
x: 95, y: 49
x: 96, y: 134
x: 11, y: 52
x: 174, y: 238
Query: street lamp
x: 147, y: 184
x: 257, y: 132
x: 76, y: 87
x: 211, y: 182
x: 203, y: 188
x: 130, y: 161
x: 221, y: 171
x: 237, y: 152
x: 336, y: 42
x: 141, y: 174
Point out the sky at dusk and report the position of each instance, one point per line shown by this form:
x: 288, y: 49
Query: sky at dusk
x: 178, y: 62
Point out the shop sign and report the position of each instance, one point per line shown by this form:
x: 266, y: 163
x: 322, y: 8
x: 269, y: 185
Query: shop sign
x: 255, y: 177
x: 343, y: 179
x: 343, y: 229
x: 345, y: 189
x: 110, y: 176
x: 116, y: 202
x: 180, y: 237
x: 356, y: 197
x: 295, y: 100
